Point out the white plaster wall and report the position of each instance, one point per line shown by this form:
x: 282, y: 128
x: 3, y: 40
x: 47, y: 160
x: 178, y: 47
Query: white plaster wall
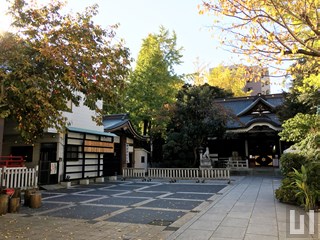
x: 81, y: 117
x: 138, y: 153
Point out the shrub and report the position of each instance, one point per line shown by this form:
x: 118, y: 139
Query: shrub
x: 306, y: 191
x: 286, y: 193
x: 290, y: 161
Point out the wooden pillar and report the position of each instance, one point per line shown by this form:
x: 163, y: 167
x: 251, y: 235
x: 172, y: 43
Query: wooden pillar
x: 123, y: 143
x: 246, y: 147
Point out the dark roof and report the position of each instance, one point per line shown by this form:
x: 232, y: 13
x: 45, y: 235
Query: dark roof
x: 121, y: 124
x: 253, y: 110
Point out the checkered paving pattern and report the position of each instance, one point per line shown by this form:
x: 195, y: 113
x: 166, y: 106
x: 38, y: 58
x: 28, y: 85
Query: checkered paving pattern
x: 155, y: 203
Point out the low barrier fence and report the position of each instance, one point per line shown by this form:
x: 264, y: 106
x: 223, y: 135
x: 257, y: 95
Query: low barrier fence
x: 134, y: 173
x: 174, y: 173
x: 177, y: 173
x: 19, y: 177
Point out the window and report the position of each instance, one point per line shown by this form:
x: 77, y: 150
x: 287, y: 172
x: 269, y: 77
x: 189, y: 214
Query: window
x: 72, y: 152
x: 24, y: 151
x: 142, y: 159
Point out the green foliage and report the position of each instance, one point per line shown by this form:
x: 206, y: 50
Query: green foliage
x: 287, y: 191
x: 291, y: 106
x: 305, y: 190
x: 289, y: 161
x: 303, y: 96
x: 301, y: 187
x: 304, y: 131
x: 232, y: 78
x: 153, y: 84
x: 195, y: 116
x: 175, y: 152
x: 55, y: 58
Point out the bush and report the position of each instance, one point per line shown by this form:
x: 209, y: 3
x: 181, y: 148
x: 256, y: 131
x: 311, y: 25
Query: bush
x: 286, y: 193
x: 314, y: 179
x: 306, y: 192
x: 290, y: 161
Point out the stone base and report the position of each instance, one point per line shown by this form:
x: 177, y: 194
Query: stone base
x: 66, y: 184
x: 99, y: 180
x: 84, y: 182
x: 205, y: 163
x: 113, y: 178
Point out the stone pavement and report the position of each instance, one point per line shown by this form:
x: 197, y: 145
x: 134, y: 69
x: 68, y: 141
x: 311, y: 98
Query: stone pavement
x: 245, y: 209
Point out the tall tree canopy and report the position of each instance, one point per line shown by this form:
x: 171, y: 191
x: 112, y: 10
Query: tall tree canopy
x: 195, y: 117
x: 269, y: 29
x: 232, y: 78
x: 304, y: 131
x: 153, y: 83
x: 55, y: 58
x: 304, y: 95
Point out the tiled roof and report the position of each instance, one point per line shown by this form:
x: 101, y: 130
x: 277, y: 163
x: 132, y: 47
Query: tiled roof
x: 119, y: 123
x: 241, y: 107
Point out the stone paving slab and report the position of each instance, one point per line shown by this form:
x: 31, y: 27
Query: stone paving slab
x: 148, y: 216
x: 246, y: 209
x: 117, y: 210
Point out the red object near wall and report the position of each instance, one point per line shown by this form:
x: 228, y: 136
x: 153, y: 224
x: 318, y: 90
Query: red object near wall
x: 11, y: 161
x: 9, y: 191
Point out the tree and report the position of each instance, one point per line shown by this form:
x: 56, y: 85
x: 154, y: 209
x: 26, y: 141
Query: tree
x: 303, y: 96
x: 53, y: 59
x: 304, y: 131
x: 233, y: 78
x: 269, y: 29
x: 153, y: 84
x: 195, y: 116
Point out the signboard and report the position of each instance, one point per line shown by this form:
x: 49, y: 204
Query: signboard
x: 127, y: 153
x: 54, y: 168
x: 98, y: 147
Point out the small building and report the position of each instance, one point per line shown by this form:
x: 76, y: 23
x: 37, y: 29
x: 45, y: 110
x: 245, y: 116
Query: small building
x: 141, y: 158
x: 253, y: 134
x: 82, y: 151
x: 133, y: 146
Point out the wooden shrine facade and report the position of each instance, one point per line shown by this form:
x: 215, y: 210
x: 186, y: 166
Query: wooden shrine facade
x: 253, y: 134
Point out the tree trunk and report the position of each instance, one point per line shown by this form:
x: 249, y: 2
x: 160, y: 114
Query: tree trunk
x: 145, y: 127
x: 195, y: 156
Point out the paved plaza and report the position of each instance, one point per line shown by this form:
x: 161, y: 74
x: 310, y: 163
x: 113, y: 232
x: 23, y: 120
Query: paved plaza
x: 244, y: 209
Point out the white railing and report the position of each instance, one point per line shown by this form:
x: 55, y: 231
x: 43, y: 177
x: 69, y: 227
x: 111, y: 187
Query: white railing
x: 238, y: 163
x: 19, y: 177
x: 215, y: 173
x: 134, y: 172
x: 174, y: 173
x: 178, y: 173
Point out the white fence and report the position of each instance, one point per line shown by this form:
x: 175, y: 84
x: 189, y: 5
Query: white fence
x: 19, y: 177
x: 134, y: 172
x: 238, y: 164
x: 215, y: 173
x: 178, y: 173
x: 174, y: 173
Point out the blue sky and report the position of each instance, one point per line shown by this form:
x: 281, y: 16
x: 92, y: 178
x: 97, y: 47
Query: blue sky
x: 138, y: 18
